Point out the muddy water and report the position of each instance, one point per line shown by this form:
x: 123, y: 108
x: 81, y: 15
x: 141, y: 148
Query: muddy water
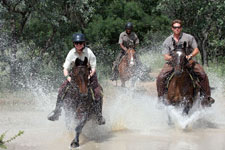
x: 135, y: 121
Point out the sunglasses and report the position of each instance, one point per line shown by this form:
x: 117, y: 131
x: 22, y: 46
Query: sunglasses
x: 76, y: 43
x: 176, y: 27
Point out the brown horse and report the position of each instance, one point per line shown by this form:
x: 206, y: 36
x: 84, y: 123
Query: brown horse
x: 78, y: 100
x: 181, y: 88
x: 127, y: 66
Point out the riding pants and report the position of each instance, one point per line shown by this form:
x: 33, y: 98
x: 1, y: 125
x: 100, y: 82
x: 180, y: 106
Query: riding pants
x: 161, y: 79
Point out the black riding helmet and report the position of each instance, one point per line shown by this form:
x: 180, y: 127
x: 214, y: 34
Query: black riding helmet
x: 78, y: 37
x: 129, y: 26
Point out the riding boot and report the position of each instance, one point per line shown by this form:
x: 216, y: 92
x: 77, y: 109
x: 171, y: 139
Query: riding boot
x: 100, y: 118
x: 54, y: 115
x: 206, y: 92
x: 160, y: 87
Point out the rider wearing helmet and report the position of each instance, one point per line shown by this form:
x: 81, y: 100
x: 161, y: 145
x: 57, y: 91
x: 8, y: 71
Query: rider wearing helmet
x: 79, y: 51
x: 127, y: 39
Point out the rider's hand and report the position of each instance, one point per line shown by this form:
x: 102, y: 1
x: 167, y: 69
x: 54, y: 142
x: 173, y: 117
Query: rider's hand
x: 90, y: 75
x: 68, y: 78
x: 189, y: 57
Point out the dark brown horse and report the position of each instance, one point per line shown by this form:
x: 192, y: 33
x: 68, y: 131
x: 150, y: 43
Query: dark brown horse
x: 127, y: 66
x: 78, y: 101
x: 181, y: 88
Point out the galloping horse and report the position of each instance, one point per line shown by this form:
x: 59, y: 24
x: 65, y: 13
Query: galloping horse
x: 127, y: 66
x: 182, y: 90
x: 78, y: 101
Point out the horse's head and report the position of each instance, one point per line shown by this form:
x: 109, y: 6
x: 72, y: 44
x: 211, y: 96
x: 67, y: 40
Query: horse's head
x: 80, y: 74
x: 179, y: 60
x: 131, y: 56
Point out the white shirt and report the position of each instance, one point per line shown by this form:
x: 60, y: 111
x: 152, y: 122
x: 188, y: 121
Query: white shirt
x: 73, y: 55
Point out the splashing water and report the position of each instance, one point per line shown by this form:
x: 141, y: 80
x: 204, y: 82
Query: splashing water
x: 124, y: 109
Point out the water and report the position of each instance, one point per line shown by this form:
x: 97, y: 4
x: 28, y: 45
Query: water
x: 134, y: 120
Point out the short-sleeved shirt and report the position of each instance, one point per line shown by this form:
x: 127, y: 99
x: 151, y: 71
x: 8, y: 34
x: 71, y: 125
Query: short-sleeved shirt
x: 73, y: 55
x: 128, y: 40
x: 191, y: 43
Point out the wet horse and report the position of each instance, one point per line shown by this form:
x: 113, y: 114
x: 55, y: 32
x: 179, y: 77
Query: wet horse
x: 78, y: 99
x: 181, y: 87
x: 127, y: 66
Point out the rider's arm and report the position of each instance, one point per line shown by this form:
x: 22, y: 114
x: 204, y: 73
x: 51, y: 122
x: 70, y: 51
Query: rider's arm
x: 67, y: 64
x: 92, y: 72
x: 123, y: 47
x: 136, y: 41
x: 121, y: 41
x: 193, y: 54
x: 66, y: 74
x: 93, y: 63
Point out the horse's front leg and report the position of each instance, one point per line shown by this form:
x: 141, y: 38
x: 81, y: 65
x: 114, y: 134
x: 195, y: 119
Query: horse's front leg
x: 122, y: 83
x: 78, y: 129
x: 187, y: 106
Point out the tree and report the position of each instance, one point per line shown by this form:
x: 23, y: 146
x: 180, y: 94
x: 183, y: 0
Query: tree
x: 201, y: 19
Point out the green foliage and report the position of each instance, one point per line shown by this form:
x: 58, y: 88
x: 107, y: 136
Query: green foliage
x: 201, y: 18
x: 3, y: 142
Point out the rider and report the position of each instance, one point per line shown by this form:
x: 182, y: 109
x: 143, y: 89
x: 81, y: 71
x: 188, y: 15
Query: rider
x: 128, y: 39
x: 79, y: 51
x: 192, y: 50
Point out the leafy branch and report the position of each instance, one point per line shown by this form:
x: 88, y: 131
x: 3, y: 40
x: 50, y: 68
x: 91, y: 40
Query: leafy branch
x: 2, y: 142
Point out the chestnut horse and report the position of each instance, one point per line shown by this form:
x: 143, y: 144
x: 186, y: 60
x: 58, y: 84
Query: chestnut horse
x: 127, y: 66
x: 78, y: 100
x: 182, y: 90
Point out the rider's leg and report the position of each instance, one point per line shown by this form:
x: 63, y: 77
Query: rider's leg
x: 54, y: 115
x: 97, y: 89
x: 161, y: 79
x: 204, y: 84
x: 115, y: 71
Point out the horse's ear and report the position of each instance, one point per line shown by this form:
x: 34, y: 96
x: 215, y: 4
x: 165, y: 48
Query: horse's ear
x: 184, y: 46
x: 174, y: 43
x: 85, y: 61
x: 77, y: 62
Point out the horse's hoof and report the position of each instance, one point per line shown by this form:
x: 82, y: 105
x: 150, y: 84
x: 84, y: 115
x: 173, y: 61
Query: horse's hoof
x: 101, y: 121
x: 207, y: 102
x: 53, y: 116
x: 74, y: 144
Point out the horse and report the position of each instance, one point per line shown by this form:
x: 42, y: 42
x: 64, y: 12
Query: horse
x: 127, y: 66
x: 182, y: 90
x: 78, y: 100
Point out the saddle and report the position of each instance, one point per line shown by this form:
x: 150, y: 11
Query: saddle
x: 194, y: 79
